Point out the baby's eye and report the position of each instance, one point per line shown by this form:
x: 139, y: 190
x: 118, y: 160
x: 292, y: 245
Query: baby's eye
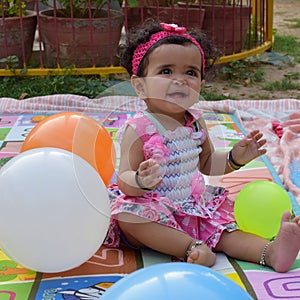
x: 166, y: 71
x: 192, y: 73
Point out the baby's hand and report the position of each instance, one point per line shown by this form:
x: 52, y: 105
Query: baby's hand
x: 249, y: 147
x: 149, y: 174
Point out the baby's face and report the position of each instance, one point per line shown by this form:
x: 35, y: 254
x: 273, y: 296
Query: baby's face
x: 173, y: 81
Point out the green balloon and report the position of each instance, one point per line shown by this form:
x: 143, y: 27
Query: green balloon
x: 259, y: 207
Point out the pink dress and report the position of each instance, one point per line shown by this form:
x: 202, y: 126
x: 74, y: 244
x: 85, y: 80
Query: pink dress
x: 182, y: 201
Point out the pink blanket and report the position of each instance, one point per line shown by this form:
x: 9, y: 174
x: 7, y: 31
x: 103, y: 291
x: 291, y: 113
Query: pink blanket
x: 284, y: 151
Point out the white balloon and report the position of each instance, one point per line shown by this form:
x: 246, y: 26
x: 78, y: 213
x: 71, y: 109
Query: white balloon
x: 54, y: 210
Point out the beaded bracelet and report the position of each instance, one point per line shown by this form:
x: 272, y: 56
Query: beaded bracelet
x: 139, y: 184
x: 263, y: 254
x: 194, y: 245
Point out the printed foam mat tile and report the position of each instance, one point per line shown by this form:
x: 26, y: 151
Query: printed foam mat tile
x: 108, y: 265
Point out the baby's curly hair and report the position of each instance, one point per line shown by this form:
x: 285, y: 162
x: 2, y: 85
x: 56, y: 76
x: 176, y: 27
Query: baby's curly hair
x: 140, y: 35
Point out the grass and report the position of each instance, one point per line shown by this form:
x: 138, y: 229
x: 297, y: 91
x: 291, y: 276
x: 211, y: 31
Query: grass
x: 295, y: 21
x: 212, y: 95
x: 261, y: 96
x: 285, y: 84
x: 287, y: 44
x: 247, y: 73
x: 293, y: 75
x: 24, y: 87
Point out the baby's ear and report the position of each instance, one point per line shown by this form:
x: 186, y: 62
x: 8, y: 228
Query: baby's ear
x: 139, y: 86
x: 202, y: 83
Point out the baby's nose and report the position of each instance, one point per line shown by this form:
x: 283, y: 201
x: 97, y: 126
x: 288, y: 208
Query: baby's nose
x: 179, y: 81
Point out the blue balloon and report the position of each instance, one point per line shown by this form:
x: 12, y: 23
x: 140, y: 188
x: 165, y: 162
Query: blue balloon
x: 176, y: 280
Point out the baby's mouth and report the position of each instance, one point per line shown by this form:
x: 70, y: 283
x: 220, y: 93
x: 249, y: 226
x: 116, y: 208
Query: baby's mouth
x: 177, y: 95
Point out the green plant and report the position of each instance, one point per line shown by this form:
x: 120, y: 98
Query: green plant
x: 78, y: 8
x: 12, y: 8
x: 239, y: 71
x: 11, y: 62
x: 27, y: 86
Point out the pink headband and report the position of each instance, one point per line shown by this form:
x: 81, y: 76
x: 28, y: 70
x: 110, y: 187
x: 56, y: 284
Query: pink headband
x: 169, y: 30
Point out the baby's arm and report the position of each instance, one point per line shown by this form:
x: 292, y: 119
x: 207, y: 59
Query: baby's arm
x: 216, y: 162
x: 131, y: 161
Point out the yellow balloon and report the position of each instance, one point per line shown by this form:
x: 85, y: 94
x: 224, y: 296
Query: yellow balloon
x: 259, y: 207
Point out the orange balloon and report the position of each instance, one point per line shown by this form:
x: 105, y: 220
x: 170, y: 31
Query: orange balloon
x: 79, y: 134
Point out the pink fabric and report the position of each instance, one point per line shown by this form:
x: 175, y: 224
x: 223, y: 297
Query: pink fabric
x: 68, y: 102
x: 277, y: 128
x: 155, y: 148
x: 198, y: 186
x: 159, y: 209
x: 283, y: 149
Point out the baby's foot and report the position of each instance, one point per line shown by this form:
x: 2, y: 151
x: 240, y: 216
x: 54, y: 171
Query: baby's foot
x: 284, y: 250
x: 202, y: 255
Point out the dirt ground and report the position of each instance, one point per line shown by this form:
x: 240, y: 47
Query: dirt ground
x: 283, y: 10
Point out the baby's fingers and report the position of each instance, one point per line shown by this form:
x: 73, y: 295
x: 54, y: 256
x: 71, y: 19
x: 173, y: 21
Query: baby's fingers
x: 261, y: 142
x: 147, y: 164
x: 149, y: 167
x: 252, y: 133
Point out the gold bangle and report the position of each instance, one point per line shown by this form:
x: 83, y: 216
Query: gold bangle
x: 232, y: 161
x: 231, y: 168
x: 230, y: 165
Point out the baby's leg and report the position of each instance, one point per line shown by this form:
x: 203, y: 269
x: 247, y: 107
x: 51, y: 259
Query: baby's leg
x: 141, y: 232
x: 280, y: 255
